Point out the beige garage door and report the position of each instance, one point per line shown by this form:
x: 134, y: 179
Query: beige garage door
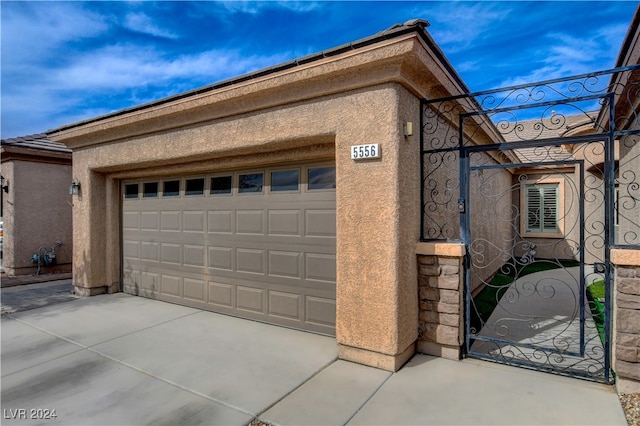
x: 260, y: 244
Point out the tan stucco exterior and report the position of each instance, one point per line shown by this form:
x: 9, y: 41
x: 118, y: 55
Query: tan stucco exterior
x: 36, y: 209
x: 315, y: 111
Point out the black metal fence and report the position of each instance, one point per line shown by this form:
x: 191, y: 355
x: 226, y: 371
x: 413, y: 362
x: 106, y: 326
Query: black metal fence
x: 532, y: 178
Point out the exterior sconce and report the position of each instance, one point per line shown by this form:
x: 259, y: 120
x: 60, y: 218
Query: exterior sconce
x: 4, y: 184
x: 407, y: 128
x: 74, y: 189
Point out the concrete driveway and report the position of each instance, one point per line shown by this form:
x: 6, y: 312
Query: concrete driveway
x: 125, y: 360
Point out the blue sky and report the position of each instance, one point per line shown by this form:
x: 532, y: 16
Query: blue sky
x: 67, y: 61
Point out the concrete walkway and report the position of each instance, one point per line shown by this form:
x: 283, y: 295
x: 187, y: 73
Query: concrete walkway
x: 540, y: 315
x: 125, y: 360
x: 36, y: 295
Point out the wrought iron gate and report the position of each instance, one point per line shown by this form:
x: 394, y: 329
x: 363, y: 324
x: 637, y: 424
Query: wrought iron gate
x: 538, y: 181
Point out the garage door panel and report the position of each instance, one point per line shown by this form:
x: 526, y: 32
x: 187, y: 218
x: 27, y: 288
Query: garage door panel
x: 131, y: 249
x: 193, y: 221
x: 250, y: 261
x: 193, y: 255
x: 172, y: 285
x: 194, y: 290
x: 321, y: 267
x: 170, y: 253
x: 221, y: 221
x: 285, y: 264
x: 221, y: 258
x: 321, y: 311
x: 320, y: 223
x: 131, y: 220
x: 250, y: 222
x: 131, y: 280
x: 221, y: 294
x: 284, y: 222
x: 150, y: 284
x: 170, y: 221
x: 250, y: 299
x: 286, y: 305
x: 149, y: 221
x: 150, y: 251
x: 267, y: 256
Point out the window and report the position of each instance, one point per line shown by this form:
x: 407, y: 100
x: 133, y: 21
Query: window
x: 542, y: 209
x: 149, y: 189
x: 250, y: 183
x: 131, y: 190
x: 194, y: 186
x: 171, y: 188
x: 221, y: 185
x: 285, y: 180
x: 322, y: 178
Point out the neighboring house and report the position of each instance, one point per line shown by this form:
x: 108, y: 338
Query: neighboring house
x: 290, y: 196
x: 36, y: 205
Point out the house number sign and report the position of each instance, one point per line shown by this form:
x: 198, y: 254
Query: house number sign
x: 362, y: 152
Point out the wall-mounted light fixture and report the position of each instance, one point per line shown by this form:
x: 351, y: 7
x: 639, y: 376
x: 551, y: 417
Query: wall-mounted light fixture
x: 74, y: 189
x: 407, y: 128
x: 4, y: 184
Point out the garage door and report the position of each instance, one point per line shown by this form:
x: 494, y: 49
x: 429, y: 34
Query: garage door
x: 260, y: 244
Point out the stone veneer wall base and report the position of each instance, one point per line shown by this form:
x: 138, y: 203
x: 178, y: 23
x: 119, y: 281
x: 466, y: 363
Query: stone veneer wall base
x: 626, y: 314
x: 626, y: 386
x: 440, y: 286
x: 436, y: 349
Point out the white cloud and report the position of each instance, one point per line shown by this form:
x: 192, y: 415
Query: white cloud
x: 255, y: 7
x: 456, y: 26
x: 142, y: 23
x: 133, y: 74
x: 129, y: 66
x: 36, y: 30
x: 565, y: 55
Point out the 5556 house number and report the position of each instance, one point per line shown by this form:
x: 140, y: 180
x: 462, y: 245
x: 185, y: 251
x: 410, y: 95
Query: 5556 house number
x: 362, y: 152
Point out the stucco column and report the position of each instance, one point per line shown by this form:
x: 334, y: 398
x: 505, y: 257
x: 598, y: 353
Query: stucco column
x: 89, y: 231
x: 378, y: 226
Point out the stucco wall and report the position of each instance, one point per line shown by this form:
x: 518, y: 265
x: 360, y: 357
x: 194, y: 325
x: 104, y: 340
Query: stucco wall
x: 491, y: 212
x: 37, y: 213
x: 377, y: 221
x: 628, y: 183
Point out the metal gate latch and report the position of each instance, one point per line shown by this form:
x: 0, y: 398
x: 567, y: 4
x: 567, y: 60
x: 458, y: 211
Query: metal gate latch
x: 461, y: 205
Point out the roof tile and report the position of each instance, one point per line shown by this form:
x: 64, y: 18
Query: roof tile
x: 38, y: 141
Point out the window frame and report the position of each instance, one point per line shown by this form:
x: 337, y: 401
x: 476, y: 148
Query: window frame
x: 151, y: 182
x: 166, y: 194
x: 246, y: 173
x: 320, y: 166
x: 299, y: 184
x: 194, y: 178
x: 124, y: 191
x: 558, y: 183
x: 210, y: 192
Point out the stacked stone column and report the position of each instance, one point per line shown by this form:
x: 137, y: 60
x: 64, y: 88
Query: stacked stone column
x: 626, y: 361
x: 441, y: 327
